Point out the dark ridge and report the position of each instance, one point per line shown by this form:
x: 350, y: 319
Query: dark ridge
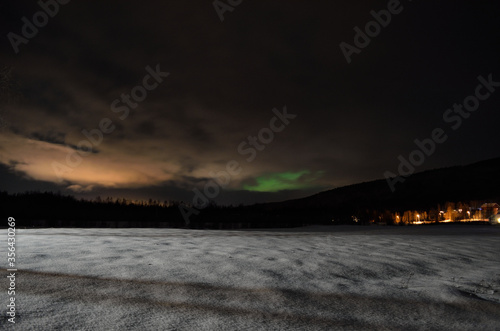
x: 427, y: 191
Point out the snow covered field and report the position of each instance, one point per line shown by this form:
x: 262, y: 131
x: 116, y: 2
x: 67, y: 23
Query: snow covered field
x: 444, y: 277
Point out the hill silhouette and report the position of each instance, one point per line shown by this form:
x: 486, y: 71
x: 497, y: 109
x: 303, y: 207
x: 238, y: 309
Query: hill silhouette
x: 478, y: 181
x: 428, y: 190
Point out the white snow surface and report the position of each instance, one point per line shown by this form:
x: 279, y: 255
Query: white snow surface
x: 444, y: 277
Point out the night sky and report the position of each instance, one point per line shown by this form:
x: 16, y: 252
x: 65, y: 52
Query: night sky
x: 336, y: 123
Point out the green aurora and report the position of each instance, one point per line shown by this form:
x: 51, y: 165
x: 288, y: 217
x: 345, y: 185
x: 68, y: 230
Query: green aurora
x: 284, y: 181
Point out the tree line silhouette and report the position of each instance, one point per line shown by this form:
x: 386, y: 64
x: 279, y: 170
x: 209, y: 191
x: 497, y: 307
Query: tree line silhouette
x: 363, y: 203
x: 48, y: 209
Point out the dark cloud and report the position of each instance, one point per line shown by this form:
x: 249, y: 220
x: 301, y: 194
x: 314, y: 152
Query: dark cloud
x: 353, y: 120
x: 50, y: 137
x: 146, y: 127
x: 59, y: 138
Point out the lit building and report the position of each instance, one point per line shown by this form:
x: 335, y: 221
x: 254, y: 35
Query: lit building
x: 489, y: 209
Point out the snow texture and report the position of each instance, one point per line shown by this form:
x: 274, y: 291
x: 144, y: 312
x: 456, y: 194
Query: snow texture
x: 314, y: 278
